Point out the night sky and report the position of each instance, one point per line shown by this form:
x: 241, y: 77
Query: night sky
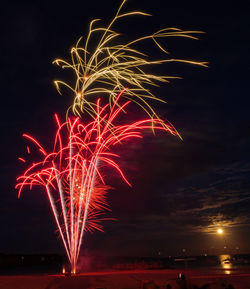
x: 182, y: 190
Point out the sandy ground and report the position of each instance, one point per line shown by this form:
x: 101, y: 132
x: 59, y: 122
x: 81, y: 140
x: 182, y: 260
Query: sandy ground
x: 240, y: 279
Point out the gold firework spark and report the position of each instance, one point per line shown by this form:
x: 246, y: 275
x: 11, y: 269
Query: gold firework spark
x: 110, y: 68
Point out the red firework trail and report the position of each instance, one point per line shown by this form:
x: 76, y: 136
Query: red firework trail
x: 71, y: 173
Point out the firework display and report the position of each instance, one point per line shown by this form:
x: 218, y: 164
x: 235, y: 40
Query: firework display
x: 72, y: 173
x: 108, y: 79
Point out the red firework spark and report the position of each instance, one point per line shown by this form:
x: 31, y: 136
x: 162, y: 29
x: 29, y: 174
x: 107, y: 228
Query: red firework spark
x: 71, y: 173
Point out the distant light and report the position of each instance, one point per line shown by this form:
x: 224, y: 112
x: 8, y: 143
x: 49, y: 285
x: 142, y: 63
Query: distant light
x: 220, y: 231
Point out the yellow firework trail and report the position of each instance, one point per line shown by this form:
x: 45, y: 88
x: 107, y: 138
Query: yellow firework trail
x: 110, y: 68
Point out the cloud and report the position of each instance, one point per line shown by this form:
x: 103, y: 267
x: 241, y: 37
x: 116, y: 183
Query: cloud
x: 200, y: 203
x: 221, y: 199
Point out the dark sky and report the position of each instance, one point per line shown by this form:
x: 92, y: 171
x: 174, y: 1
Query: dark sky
x: 182, y: 190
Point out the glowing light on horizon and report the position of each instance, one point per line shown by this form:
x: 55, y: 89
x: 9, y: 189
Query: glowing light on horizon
x: 226, y: 263
x: 63, y: 270
x: 72, y: 174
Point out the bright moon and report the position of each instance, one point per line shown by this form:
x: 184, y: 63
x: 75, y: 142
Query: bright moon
x: 220, y: 231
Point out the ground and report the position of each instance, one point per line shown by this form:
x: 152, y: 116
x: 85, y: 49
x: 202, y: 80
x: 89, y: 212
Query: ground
x: 240, y: 279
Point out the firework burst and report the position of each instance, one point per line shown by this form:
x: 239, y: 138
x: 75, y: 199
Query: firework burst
x: 108, y: 68
x: 72, y: 173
